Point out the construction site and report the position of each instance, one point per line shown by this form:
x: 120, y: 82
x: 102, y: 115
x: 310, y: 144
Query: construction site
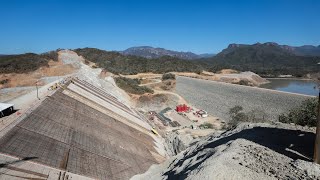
x: 82, y: 125
x: 76, y: 131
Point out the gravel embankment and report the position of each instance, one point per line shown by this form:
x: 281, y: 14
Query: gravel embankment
x: 217, y: 98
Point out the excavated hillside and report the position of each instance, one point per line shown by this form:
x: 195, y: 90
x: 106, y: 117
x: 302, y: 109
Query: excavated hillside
x: 250, y: 151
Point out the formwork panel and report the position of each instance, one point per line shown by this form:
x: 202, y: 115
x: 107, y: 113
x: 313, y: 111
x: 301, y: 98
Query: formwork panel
x: 55, y: 112
x: 46, y: 127
x: 23, y: 143
x: 86, y: 163
x: 93, y: 144
x: 81, y: 108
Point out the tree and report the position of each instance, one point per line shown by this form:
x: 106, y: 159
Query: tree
x: 304, y: 115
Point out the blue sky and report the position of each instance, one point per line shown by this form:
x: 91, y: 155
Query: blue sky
x: 199, y: 26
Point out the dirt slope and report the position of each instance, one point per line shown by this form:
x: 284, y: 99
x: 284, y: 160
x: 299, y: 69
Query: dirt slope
x: 251, y: 151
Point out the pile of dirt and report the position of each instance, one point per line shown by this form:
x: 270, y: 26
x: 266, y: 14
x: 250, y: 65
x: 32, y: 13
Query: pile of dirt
x: 166, y: 85
x: 229, y: 76
x: 244, y: 78
x: 250, y: 151
x: 155, y: 102
x: 228, y: 71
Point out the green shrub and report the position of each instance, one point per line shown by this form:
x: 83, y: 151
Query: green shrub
x: 132, y: 85
x: 5, y: 81
x: 237, y: 115
x: 206, y: 125
x: 304, y: 115
x: 167, y: 76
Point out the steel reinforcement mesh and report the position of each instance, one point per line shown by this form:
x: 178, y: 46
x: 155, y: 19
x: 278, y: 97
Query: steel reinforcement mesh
x: 66, y: 134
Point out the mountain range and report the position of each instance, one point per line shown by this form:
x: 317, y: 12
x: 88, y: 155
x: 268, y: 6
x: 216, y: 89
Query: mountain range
x: 305, y: 50
x: 267, y: 59
x: 151, y: 53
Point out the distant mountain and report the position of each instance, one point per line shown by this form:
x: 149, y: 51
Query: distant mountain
x: 151, y: 53
x: 306, y: 50
x: 119, y: 63
x: 206, y: 55
x: 266, y: 58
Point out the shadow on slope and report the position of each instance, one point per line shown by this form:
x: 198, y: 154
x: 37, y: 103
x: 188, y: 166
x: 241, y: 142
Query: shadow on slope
x: 2, y: 165
x: 279, y: 140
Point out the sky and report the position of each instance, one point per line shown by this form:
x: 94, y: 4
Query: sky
x: 199, y: 26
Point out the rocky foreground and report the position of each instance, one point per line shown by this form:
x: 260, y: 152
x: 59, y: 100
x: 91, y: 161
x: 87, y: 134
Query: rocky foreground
x: 250, y: 151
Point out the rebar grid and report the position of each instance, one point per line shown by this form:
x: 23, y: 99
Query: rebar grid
x: 100, y: 146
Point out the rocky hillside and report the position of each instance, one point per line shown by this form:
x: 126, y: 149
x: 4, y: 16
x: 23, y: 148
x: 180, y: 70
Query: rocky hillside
x: 264, y: 59
x: 151, y: 53
x: 306, y: 50
x: 250, y: 151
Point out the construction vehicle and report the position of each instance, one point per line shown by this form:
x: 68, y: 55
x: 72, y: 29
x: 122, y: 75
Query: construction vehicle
x: 154, y: 131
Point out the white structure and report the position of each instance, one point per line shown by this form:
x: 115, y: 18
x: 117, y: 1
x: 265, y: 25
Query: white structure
x: 5, y: 109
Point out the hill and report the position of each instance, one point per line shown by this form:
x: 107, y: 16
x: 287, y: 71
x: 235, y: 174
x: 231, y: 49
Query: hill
x: 306, y: 50
x: 206, y: 55
x: 264, y: 59
x: 152, y: 53
x: 118, y: 63
x: 24, y: 63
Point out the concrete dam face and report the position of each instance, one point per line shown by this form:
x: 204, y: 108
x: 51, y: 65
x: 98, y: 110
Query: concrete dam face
x: 82, y: 129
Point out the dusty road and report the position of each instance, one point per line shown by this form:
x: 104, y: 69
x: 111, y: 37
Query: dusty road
x: 217, y: 98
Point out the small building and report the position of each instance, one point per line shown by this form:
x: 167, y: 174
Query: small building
x: 182, y: 108
x: 6, y: 109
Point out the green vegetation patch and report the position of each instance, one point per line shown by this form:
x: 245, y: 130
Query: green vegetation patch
x: 206, y: 125
x: 5, y: 81
x: 304, y: 115
x: 132, y: 85
x: 265, y: 60
x: 117, y: 63
x: 168, y: 76
x: 24, y: 63
x: 237, y: 115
